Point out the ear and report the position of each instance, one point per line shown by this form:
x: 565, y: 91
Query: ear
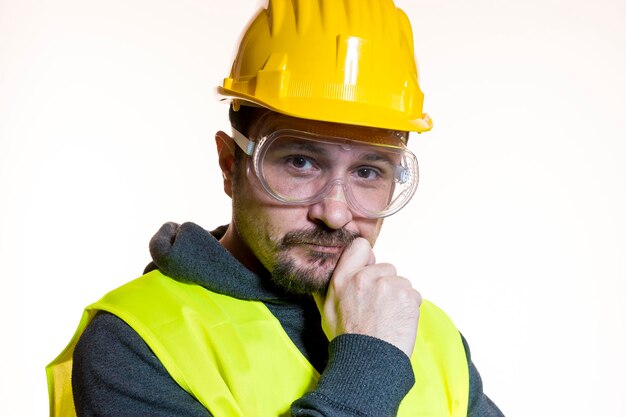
x: 226, y: 155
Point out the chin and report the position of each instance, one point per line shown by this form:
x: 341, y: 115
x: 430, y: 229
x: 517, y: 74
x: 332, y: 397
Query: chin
x: 303, y: 277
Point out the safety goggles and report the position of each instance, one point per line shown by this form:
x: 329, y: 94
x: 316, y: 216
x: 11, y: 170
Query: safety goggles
x: 299, y: 168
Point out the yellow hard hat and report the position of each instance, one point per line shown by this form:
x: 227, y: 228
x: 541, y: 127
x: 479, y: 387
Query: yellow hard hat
x: 343, y: 61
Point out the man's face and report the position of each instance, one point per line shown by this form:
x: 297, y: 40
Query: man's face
x: 301, y: 244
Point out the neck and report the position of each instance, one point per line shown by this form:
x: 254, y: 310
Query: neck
x: 233, y: 243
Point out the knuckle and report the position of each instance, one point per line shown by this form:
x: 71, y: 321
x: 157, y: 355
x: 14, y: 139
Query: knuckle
x: 405, y: 282
x: 387, y: 269
x: 410, y: 296
x: 361, y: 279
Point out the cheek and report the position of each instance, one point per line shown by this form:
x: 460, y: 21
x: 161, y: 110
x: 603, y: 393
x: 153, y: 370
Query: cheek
x: 252, y: 202
x: 261, y: 220
x: 369, y: 229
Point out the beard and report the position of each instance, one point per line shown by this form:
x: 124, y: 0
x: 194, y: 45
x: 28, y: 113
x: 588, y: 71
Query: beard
x: 313, y: 278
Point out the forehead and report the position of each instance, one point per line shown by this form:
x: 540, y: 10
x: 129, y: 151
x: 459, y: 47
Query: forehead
x: 272, y: 122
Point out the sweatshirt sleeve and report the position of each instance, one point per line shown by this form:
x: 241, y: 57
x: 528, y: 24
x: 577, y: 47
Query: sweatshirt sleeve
x: 365, y: 376
x: 369, y: 377
x: 479, y: 405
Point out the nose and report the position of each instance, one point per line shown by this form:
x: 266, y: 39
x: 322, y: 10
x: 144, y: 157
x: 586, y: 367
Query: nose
x: 332, y: 210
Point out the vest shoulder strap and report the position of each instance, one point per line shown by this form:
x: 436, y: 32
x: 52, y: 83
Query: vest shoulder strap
x: 232, y: 355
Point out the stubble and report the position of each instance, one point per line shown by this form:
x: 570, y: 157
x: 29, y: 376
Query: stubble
x: 312, y: 274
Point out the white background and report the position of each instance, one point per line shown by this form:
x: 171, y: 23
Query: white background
x: 107, y: 117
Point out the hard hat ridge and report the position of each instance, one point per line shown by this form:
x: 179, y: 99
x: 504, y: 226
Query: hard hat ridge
x: 354, y: 16
x: 301, y: 13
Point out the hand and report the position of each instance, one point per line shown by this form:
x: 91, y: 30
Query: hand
x: 368, y: 298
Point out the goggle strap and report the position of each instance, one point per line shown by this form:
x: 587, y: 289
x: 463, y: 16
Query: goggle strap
x: 243, y: 142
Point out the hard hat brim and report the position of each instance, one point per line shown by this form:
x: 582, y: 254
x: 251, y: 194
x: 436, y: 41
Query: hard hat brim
x: 345, y: 112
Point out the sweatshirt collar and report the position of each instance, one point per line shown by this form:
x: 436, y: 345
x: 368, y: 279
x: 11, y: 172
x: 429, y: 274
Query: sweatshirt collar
x: 189, y: 253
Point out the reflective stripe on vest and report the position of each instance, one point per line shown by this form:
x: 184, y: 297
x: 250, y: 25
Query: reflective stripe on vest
x: 236, y: 359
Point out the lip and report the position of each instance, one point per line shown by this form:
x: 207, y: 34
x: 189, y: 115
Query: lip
x: 325, y: 249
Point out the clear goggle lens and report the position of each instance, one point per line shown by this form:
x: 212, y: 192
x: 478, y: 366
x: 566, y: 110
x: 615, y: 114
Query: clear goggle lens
x: 299, y: 168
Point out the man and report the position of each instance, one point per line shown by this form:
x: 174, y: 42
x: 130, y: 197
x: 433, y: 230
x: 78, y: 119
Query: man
x: 285, y: 311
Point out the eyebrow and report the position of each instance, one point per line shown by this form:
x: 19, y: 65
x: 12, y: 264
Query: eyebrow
x: 305, y: 146
x: 375, y: 157
x: 322, y: 150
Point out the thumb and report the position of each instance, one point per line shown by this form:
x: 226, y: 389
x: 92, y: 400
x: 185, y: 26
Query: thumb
x: 356, y: 256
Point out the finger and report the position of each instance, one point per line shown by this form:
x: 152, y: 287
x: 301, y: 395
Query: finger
x: 354, y: 257
x: 405, y: 286
x: 419, y: 298
x: 380, y: 270
x: 404, y: 282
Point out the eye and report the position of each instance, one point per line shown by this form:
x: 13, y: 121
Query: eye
x: 368, y: 173
x: 300, y: 162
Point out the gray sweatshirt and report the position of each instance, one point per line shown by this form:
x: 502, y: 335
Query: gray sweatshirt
x: 116, y: 374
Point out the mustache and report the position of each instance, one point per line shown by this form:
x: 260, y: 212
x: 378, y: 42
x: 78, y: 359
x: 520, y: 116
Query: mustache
x: 317, y: 236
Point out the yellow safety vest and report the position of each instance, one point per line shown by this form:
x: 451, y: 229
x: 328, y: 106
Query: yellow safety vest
x: 236, y: 359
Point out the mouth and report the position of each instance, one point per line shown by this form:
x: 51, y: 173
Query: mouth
x: 318, y: 245
x: 327, y: 249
